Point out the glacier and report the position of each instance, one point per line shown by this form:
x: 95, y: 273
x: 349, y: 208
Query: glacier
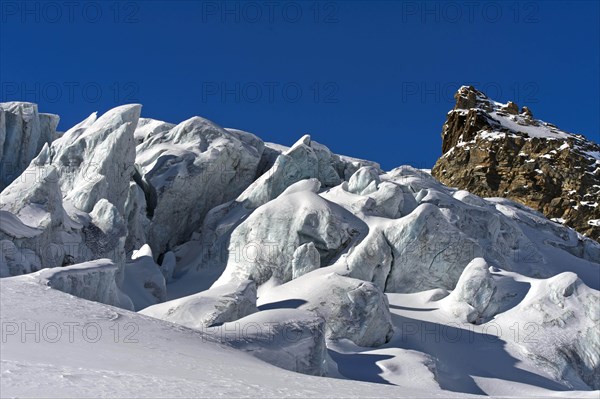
x: 207, y: 232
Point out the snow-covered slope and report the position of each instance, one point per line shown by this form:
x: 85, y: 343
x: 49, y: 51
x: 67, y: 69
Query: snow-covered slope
x: 314, y: 262
x: 56, y: 345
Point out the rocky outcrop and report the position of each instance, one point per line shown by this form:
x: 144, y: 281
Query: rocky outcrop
x: 496, y: 150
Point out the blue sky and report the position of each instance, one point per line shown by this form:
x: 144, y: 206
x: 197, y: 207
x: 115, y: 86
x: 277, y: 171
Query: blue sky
x: 368, y: 79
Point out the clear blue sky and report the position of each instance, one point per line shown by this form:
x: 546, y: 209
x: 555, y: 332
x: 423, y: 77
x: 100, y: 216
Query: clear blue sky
x: 368, y: 79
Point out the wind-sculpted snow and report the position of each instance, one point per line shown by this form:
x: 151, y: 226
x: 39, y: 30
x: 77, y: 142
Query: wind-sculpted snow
x: 23, y: 133
x: 566, y: 313
x: 90, y: 280
x: 138, y: 356
x: 352, y: 309
x: 292, y: 339
x: 209, y: 308
x: 14, y: 227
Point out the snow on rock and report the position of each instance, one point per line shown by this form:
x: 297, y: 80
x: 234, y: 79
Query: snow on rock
x: 190, y: 169
x: 262, y: 246
x: 23, y: 133
x: 495, y: 150
x: 93, y: 280
x: 292, y: 339
x: 208, y: 308
x: 353, y: 309
x: 143, y: 280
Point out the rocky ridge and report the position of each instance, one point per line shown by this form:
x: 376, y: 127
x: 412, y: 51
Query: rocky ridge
x: 498, y: 150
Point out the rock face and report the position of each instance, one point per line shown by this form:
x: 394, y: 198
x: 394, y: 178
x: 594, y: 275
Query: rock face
x: 23, y: 133
x: 495, y: 150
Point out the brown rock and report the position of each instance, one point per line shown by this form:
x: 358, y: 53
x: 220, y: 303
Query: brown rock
x: 556, y: 175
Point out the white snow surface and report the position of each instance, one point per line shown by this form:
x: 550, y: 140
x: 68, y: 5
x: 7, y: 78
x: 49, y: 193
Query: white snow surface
x: 87, y: 349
